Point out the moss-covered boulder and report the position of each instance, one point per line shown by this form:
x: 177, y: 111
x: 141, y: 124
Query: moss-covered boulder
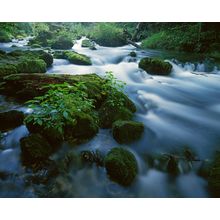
x: 85, y: 128
x: 121, y: 166
x: 125, y: 132
x: 109, y: 112
x: 35, y: 148
x: 25, y: 62
x: 132, y: 54
x: 4, y: 37
x: 35, y: 46
x: 89, y: 44
x: 73, y: 57
x: 155, y: 66
x: 62, y: 42
x: 214, y: 176
x: 24, y: 87
x: 10, y: 120
x: 50, y: 134
x: 31, y: 66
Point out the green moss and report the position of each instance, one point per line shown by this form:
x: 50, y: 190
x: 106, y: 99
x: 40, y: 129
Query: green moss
x: 62, y: 42
x: 4, y: 37
x: 125, y: 132
x: 73, y: 57
x: 6, y: 69
x: 87, y: 43
x: 35, y: 148
x: 10, y: 120
x: 121, y: 166
x: 108, y: 115
x: 31, y: 66
x: 155, y: 66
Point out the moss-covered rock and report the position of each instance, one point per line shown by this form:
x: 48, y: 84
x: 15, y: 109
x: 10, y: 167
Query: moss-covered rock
x: 132, y: 54
x: 35, y: 148
x: 214, y: 176
x: 73, y: 57
x: 31, y: 66
x: 11, y: 119
x: 4, y: 37
x: 155, y: 66
x: 85, y: 128
x: 35, y: 46
x: 63, y: 43
x: 121, y: 166
x: 86, y: 43
x: 51, y: 135
x: 25, y: 62
x: 108, y: 113
x: 125, y: 132
x: 27, y: 86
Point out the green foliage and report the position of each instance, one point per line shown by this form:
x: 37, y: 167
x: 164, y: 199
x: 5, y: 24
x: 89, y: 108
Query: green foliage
x: 121, y: 166
x: 60, y: 106
x: 108, y: 34
x: 155, y: 66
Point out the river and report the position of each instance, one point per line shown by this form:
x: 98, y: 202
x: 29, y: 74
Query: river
x: 179, y: 110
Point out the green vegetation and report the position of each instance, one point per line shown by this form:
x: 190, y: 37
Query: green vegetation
x: 125, y: 132
x: 73, y: 57
x: 188, y: 37
x: 117, y: 105
x: 121, y: 166
x: 108, y: 34
x: 65, y: 108
x: 155, y: 66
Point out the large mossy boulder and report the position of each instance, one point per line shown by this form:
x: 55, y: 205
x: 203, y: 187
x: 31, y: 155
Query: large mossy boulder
x: 62, y: 43
x: 25, y: 62
x: 24, y: 87
x: 109, y: 113
x: 125, y: 132
x: 34, y: 148
x: 155, y: 66
x: 4, y: 37
x: 10, y: 120
x: 85, y: 128
x: 73, y: 57
x: 121, y: 166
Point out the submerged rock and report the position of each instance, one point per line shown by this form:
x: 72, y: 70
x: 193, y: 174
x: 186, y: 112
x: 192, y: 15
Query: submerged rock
x: 121, y: 166
x: 155, y: 66
x: 35, y: 148
x: 125, y: 132
x: 132, y: 54
x: 10, y: 120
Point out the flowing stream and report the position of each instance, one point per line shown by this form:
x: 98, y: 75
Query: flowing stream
x: 179, y: 110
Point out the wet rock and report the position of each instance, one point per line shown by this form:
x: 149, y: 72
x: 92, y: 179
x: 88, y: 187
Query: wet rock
x: 10, y: 120
x: 92, y: 157
x: 73, y: 57
x: 109, y: 113
x: 214, y: 176
x: 27, y: 86
x: 125, y: 132
x: 121, y: 166
x: 155, y: 66
x: 132, y: 54
x: 35, y: 148
x: 62, y: 42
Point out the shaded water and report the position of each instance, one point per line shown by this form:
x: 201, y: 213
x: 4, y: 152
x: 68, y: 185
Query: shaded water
x: 177, y: 111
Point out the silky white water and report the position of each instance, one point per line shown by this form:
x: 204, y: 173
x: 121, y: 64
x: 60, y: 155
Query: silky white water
x: 179, y: 110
